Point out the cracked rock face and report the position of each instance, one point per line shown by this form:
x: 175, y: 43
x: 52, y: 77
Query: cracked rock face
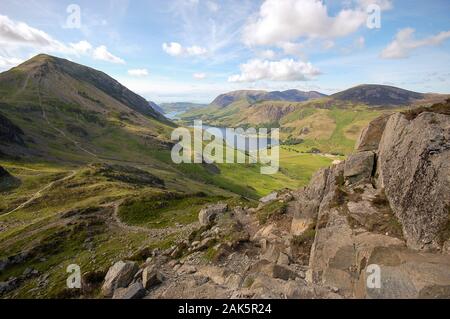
x: 414, y: 169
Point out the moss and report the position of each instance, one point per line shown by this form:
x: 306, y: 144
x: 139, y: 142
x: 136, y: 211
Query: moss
x: 210, y: 254
x: 248, y: 282
x: 304, y: 238
x: 270, y: 211
x: 441, y: 108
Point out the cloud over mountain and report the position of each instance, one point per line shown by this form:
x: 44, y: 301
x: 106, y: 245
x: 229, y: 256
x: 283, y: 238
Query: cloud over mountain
x: 283, y: 70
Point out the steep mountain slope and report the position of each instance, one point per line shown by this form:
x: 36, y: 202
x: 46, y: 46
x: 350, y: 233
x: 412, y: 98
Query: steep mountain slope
x: 253, y: 96
x: 63, y: 108
x: 156, y: 107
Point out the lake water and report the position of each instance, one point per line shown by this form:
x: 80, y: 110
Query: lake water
x: 251, y: 141
x: 172, y: 115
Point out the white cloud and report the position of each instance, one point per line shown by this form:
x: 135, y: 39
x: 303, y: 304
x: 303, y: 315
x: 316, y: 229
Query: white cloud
x: 199, y: 76
x: 283, y: 70
x: 196, y: 50
x: 405, y: 42
x: 176, y: 49
x: 102, y: 53
x: 286, y: 21
x: 16, y: 34
x: 21, y: 34
x: 138, y: 72
x: 267, y: 54
x: 82, y: 47
x: 6, y: 62
x: 291, y: 48
x: 173, y: 48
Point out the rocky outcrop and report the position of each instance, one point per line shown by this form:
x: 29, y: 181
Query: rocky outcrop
x: 9, y: 132
x: 414, y: 169
x: 209, y: 213
x: 359, y: 166
x: 375, y: 210
x: 370, y: 136
x: 119, y: 275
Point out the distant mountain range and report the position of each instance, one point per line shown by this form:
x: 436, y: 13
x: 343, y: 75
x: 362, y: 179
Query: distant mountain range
x: 368, y: 94
x: 180, y: 106
x: 253, y: 96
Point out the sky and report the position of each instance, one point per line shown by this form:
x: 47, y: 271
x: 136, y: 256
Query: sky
x: 193, y: 50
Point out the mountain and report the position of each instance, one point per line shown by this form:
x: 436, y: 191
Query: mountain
x: 383, y: 95
x: 54, y: 108
x: 45, y: 71
x: 328, y: 123
x: 156, y: 107
x: 181, y: 106
x: 253, y: 96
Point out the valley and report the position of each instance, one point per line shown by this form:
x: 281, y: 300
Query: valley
x: 87, y: 176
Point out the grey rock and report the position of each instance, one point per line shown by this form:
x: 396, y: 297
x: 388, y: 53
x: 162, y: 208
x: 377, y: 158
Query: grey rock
x: 151, y: 277
x: 370, y: 136
x: 269, y: 198
x: 414, y: 170
x: 279, y: 272
x: 359, y: 166
x: 134, y: 291
x: 119, y: 275
x: 207, y: 215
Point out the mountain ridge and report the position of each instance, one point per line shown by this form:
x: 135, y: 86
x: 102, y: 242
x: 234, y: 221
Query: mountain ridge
x: 253, y: 96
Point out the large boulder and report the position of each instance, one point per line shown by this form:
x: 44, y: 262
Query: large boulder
x: 151, y: 277
x: 414, y: 169
x: 208, y: 214
x: 307, y: 203
x: 134, y: 291
x: 405, y: 274
x: 359, y: 166
x: 119, y: 275
x: 370, y: 136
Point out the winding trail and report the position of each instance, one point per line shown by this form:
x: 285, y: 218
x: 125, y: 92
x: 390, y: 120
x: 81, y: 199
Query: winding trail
x: 39, y: 193
x: 158, y: 233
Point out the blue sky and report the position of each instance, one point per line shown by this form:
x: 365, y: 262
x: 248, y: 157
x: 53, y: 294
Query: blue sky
x: 193, y: 50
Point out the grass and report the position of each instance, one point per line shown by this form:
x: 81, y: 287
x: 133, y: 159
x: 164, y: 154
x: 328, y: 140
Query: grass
x: 165, y: 210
